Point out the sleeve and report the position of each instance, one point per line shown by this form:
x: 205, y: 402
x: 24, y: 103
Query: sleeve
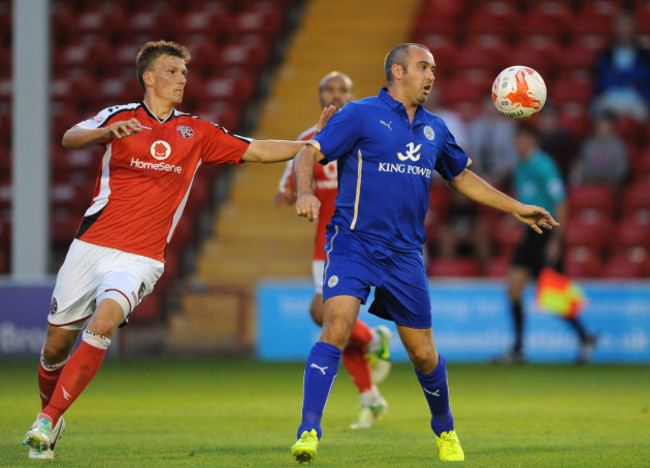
x: 340, y: 134
x: 99, y: 120
x: 453, y: 159
x: 222, y: 147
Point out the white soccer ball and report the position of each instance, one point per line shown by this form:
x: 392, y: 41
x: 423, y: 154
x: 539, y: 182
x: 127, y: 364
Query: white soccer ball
x: 518, y: 92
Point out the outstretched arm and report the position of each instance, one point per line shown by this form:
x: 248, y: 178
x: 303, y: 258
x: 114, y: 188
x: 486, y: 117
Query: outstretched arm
x: 307, y: 205
x: 474, y: 187
x: 81, y: 137
x: 270, y: 151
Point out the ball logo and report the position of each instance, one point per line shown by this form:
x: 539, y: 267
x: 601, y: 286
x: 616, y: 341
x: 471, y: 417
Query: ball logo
x: 185, y: 131
x: 333, y: 281
x: 429, y: 133
x: 54, y: 306
x: 160, y: 150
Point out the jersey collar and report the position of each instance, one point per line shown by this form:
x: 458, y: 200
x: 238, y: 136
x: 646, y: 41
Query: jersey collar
x: 153, y: 116
x: 418, y: 119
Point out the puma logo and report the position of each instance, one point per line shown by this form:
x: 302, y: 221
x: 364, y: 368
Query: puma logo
x: 315, y: 366
x: 387, y: 124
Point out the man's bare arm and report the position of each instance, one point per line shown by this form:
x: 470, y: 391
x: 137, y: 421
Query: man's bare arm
x: 477, y: 189
x: 307, y: 205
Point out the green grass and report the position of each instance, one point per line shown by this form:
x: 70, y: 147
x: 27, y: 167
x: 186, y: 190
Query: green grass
x: 153, y: 413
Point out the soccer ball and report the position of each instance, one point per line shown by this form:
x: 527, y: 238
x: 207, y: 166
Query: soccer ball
x: 518, y: 92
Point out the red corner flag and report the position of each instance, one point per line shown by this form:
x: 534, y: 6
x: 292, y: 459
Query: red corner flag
x: 556, y: 293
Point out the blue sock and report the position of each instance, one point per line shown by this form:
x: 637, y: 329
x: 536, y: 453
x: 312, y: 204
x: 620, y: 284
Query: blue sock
x: 320, y: 372
x: 436, y: 391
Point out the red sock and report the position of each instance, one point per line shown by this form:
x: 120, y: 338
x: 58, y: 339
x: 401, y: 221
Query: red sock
x: 46, y: 383
x: 77, y: 374
x: 361, y: 334
x: 357, y: 366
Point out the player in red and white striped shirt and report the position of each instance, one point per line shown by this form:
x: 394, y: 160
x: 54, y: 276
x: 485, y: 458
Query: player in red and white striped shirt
x: 151, y: 155
x: 367, y: 345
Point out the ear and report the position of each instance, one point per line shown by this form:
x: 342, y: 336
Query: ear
x: 397, y: 70
x: 147, y: 78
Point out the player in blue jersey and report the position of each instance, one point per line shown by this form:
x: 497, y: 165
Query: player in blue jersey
x: 387, y: 148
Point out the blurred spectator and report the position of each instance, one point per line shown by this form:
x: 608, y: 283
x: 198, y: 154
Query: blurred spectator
x: 556, y: 140
x: 465, y: 234
x: 490, y: 145
x: 623, y: 73
x: 454, y: 121
x: 603, y: 157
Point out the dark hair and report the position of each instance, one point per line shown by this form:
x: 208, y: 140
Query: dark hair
x: 397, y: 55
x: 151, y: 51
x: 528, y: 130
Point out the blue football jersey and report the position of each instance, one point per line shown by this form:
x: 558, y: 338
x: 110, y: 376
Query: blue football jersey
x: 385, y: 165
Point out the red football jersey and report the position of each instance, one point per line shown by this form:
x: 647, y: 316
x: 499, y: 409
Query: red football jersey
x: 144, y: 179
x: 325, y: 189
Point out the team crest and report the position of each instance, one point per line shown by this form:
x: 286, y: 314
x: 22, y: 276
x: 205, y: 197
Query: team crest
x: 333, y: 281
x: 160, y: 150
x: 185, y: 131
x: 54, y: 306
x: 429, y: 133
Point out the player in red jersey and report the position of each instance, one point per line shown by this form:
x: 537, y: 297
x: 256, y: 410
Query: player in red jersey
x: 152, y: 152
x: 367, y: 355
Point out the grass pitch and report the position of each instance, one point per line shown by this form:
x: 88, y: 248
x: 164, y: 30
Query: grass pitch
x: 155, y: 413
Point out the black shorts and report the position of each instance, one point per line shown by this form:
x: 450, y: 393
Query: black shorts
x: 531, y: 253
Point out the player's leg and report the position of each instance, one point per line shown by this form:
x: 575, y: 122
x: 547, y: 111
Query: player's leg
x: 56, y: 350
x: 431, y: 371
x: 518, y: 277
x: 78, y: 371
x: 87, y: 358
x: 587, y: 341
x: 339, y: 315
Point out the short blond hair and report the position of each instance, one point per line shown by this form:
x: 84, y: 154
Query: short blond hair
x: 151, y: 51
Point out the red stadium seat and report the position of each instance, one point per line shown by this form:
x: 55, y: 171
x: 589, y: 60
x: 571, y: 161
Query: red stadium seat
x: 590, y: 23
x: 594, y: 233
x: 571, y: 90
x: 577, y: 56
x: 507, y: 233
x: 591, y: 198
x: 583, y: 262
x: 631, y: 232
x: 636, y: 200
x: 548, y: 25
x: 498, y: 267
x: 625, y: 266
x: 453, y: 267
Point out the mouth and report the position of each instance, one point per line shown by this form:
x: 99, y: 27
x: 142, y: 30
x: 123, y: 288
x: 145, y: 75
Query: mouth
x: 427, y: 88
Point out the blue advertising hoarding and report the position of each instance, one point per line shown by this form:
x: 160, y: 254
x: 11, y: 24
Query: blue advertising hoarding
x: 23, y: 315
x: 472, y: 323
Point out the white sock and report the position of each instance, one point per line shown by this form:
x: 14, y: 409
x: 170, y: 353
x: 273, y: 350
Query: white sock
x: 375, y: 341
x: 371, y: 397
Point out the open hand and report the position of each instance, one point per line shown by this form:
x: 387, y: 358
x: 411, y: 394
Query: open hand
x: 325, y: 116
x: 535, y: 217
x: 123, y: 128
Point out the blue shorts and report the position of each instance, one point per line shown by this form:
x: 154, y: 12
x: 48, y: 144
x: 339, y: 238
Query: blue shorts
x: 353, y: 266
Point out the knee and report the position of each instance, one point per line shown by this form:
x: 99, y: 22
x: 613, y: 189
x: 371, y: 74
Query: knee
x: 55, y: 352
x: 336, y: 333
x: 424, y: 358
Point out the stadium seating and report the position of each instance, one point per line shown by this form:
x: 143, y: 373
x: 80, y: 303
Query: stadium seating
x: 453, y: 267
x: 93, y: 68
